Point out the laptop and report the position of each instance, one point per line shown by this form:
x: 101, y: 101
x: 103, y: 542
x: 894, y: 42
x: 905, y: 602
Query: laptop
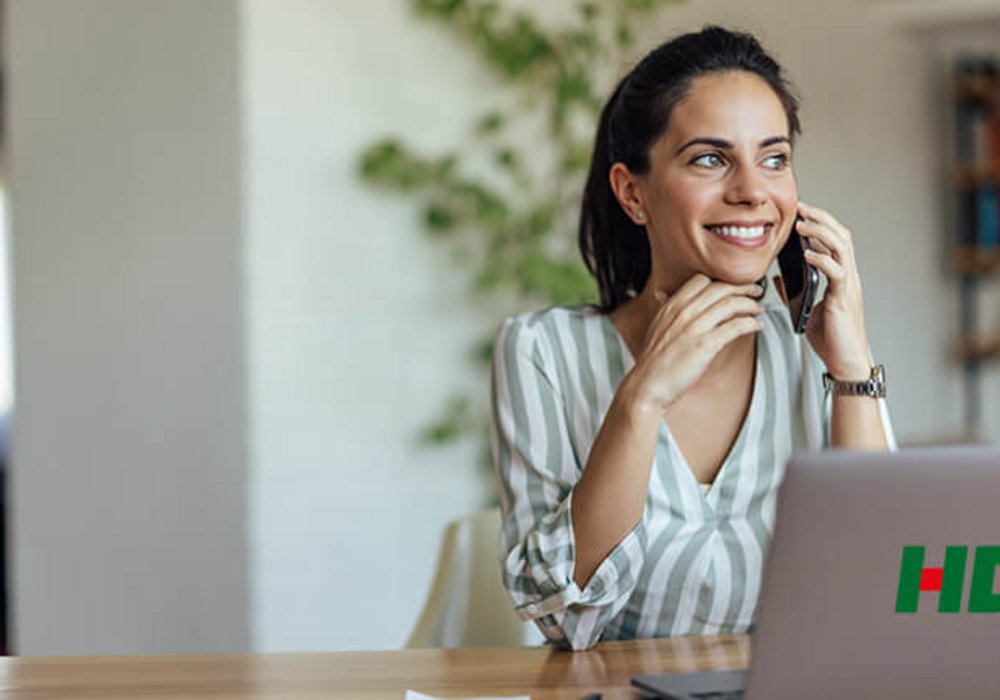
x: 882, y: 580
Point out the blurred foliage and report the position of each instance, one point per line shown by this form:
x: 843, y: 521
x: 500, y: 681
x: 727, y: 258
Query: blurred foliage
x: 517, y: 225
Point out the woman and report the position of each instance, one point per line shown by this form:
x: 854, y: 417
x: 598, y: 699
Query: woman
x: 639, y: 444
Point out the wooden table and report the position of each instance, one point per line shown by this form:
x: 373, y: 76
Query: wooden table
x: 385, y: 675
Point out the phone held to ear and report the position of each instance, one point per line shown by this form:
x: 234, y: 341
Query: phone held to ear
x: 800, y: 279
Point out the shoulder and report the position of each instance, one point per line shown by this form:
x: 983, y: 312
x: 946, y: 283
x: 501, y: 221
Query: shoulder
x: 545, y: 327
x: 553, y: 341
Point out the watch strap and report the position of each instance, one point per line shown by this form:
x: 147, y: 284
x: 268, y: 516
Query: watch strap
x: 874, y: 386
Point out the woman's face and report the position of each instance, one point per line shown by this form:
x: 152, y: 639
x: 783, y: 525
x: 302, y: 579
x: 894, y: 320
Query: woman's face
x: 720, y: 197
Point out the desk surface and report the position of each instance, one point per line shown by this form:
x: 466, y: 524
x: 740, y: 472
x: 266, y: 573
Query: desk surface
x: 541, y: 673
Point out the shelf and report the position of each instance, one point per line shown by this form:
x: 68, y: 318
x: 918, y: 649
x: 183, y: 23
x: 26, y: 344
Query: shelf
x: 972, y: 175
x: 979, y: 348
x: 976, y: 88
x: 977, y: 261
x: 974, y: 93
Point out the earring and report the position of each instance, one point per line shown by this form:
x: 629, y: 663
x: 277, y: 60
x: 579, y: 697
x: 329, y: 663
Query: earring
x: 640, y: 216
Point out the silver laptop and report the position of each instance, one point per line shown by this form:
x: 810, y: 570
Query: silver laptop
x: 882, y: 580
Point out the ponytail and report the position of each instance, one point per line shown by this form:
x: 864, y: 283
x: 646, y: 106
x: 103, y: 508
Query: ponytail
x: 614, y: 248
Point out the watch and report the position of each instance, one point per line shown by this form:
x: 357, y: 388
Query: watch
x: 873, y: 387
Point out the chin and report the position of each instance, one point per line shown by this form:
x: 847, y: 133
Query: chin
x: 745, y: 275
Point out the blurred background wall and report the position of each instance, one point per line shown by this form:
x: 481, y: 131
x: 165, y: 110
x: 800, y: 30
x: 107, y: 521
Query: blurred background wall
x: 357, y: 326
x: 226, y: 344
x: 130, y: 446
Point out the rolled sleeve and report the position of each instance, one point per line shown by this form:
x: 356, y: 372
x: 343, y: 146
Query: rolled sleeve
x: 536, y: 470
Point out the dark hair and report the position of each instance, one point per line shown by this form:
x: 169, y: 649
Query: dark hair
x: 616, y: 250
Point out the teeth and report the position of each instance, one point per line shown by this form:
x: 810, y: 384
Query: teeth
x: 739, y: 231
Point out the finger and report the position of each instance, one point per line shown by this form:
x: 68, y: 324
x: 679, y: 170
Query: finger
x: 709, y: 297
x: 813, y: 213
x: 687, y: 291
x: 822, y: 239
x: 822, y: 216
x: 834, y: 271
x: 672, y: 305
x: 686, y: 300
x: 723, y: 311
x: 730, y: 331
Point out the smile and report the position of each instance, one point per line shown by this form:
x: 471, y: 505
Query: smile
x: 743, y: 236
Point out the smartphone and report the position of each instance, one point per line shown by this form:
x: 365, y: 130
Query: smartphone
x: 800, y: 280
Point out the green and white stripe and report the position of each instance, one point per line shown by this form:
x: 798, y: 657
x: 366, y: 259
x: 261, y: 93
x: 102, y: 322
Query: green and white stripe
x: 693, y: 564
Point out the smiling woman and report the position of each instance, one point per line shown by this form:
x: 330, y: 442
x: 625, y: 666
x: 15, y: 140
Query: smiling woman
x: 640, y: 443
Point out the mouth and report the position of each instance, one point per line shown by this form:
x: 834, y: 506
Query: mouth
x: 752, y: 235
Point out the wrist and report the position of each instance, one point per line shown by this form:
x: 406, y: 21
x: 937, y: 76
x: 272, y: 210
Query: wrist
x: 855, y: 370
x: 851, y: 373
x: 853, y: 362
x: 632, y: 397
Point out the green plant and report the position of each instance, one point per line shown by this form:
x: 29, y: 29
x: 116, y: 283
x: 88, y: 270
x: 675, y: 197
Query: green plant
x: 518, y: 227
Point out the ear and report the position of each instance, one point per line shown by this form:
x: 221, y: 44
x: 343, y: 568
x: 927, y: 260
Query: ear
x: 629, y: 193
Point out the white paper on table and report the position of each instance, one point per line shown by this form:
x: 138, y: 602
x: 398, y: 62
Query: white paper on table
x: 413, y: 695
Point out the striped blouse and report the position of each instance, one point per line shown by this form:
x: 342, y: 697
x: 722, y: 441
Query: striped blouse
x: 693, y: 563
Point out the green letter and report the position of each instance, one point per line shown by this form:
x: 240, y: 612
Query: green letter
x: 908, y: 593
x: 982, y: 599
x: 954, y: 576
x: 911, y: 572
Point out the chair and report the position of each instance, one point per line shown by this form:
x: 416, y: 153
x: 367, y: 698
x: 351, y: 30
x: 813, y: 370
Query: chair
x: 467, y: 604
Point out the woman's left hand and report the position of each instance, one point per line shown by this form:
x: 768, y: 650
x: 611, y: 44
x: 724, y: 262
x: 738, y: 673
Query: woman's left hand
x: 836, y: 328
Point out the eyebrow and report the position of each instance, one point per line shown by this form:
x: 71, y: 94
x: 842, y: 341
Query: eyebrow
x: 726, y: 145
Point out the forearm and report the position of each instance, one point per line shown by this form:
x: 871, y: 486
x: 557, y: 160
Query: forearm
x: 609, y: 498
x: 855, y: 423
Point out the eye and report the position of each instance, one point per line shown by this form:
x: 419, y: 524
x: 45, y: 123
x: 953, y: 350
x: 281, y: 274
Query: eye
x: 708, y: 160
x: 777, y: 161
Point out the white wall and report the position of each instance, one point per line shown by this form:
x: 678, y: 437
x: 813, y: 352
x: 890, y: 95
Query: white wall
x: 226, y: 344
x: 129, y: 478
x: 359, y: 326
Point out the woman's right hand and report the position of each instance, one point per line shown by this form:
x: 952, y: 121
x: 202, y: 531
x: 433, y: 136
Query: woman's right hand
x: 686, y: 334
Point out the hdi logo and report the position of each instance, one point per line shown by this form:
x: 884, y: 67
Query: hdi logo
x: 949, y: 580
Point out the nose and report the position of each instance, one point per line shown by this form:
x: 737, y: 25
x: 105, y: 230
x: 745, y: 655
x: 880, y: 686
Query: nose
x: 746, y: 186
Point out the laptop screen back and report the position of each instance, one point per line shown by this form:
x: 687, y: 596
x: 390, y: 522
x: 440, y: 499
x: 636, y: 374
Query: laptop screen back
x: 883, y: 578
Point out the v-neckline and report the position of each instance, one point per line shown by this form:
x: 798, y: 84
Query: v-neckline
x: 628, y: 362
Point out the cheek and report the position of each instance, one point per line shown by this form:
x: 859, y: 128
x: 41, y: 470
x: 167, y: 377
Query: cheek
x: 786, y: 194
x: 682, y: 200
x: 788, y: 203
